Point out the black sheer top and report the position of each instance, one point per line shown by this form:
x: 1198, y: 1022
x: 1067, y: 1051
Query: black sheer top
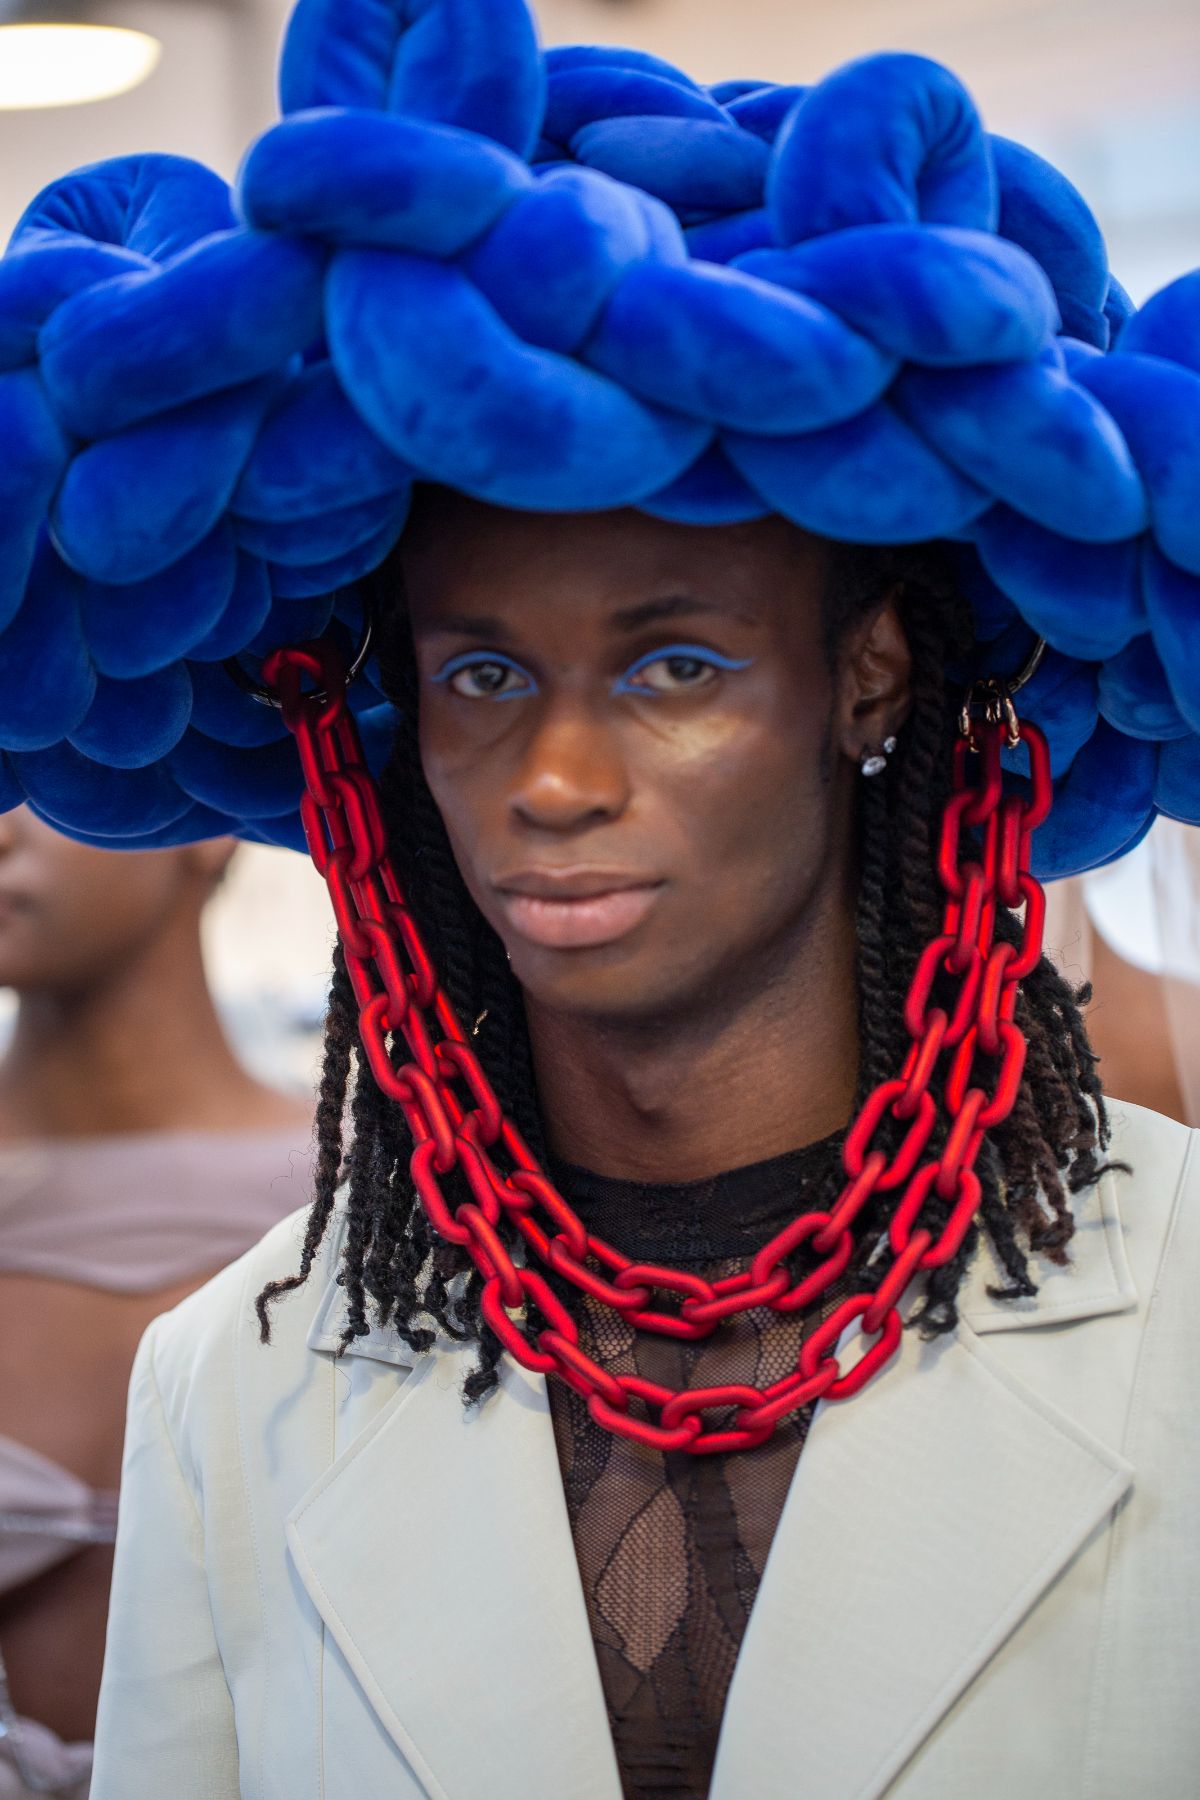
x: 671, y: 1547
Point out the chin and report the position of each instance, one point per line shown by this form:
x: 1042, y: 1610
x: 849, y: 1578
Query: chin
x: 610, y: 983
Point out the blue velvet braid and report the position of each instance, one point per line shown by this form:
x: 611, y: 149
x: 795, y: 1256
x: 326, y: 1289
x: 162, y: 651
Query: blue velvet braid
x: 567, y: 281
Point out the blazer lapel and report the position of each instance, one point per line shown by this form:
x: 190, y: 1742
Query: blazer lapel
x: 925, y: 1519
x: 438, y: 1551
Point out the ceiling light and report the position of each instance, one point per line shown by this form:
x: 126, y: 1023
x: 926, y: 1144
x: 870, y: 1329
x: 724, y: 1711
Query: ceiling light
x: 56, y: 55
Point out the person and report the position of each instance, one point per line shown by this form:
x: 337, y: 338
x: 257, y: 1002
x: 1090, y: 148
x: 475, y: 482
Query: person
x: 746, y: 531
x: 643, y: 716
x: 137, y: 1157
x: 1131, y: 932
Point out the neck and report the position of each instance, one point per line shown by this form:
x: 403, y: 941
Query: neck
x: 768, y: 1063
x: 139, y: 1048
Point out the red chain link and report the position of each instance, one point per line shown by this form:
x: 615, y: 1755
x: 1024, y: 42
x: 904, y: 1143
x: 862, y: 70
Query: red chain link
x: 456, y: 1120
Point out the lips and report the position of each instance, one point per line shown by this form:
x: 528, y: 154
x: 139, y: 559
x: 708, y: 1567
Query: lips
x: 575, y: 909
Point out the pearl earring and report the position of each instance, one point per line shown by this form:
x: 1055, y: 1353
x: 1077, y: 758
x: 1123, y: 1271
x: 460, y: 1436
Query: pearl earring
x: 874, y: 762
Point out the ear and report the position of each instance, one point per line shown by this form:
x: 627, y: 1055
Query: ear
x: 873, y: 681
x: 209, y: 860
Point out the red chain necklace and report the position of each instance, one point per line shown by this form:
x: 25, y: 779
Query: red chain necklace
x: 457, y: 1123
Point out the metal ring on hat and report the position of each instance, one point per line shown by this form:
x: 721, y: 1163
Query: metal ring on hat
x: 268, y: 697
x: 994, y: 693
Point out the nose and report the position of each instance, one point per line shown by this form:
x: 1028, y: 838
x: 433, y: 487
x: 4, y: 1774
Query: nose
x: 572, y: 774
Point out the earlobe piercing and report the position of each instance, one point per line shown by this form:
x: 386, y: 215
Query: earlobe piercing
x: 874, y: 762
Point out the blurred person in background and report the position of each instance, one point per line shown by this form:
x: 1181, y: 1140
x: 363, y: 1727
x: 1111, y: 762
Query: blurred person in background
x: 137, y: 1157
x: 1132, y: 931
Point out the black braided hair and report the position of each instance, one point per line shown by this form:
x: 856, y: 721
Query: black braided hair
x: 1030, y: 1165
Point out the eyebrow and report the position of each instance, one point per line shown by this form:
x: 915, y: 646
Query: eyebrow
x: 627, y: 618
x: 471, y: 625
x: 649, y: 612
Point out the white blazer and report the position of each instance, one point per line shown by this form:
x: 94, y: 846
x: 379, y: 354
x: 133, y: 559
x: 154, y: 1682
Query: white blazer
x: 332, y: 1584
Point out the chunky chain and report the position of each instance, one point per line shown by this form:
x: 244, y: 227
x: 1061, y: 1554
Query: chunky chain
x: 458, y: 1126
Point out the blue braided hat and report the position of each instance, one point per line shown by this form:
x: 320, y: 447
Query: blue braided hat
x: 572, y: 281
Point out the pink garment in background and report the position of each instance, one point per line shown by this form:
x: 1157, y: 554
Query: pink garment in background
x: 138, y: 1212
x: 134, y: 1213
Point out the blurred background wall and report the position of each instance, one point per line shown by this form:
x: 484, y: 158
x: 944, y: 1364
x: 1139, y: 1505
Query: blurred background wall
x: 1107, y: 90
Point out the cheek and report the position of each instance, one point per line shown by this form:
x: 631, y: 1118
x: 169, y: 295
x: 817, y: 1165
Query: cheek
x: 456, y: 777
x: 469, y: 794
x: 741, y: 790
x: 108, y: 909
x: 75, y: 936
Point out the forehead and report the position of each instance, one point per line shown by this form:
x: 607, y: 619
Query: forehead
x: 459, y: 554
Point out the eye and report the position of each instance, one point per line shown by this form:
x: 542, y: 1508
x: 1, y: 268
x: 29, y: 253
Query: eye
x: 680, y: 668
x: 477, y: 677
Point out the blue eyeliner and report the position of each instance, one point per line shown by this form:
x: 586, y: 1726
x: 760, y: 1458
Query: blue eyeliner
x: 699, y: 652
x: 473, y: 659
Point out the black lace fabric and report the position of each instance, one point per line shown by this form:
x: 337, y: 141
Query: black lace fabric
x: 671, y: 1547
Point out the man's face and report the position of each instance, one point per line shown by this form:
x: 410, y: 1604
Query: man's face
x: 626, y: 726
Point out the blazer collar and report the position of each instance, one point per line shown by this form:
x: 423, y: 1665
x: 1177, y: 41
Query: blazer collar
x: 924, y: 1520
x: 1097, y: 1279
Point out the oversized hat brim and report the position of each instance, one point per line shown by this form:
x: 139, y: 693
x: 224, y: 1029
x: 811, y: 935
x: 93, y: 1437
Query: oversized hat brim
x: 568, y: 282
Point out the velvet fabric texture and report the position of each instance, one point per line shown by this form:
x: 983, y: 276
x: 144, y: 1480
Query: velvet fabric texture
x: 570, y: 281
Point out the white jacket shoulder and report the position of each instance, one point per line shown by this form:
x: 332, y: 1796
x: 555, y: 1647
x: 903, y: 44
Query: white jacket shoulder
x: 1156, y: 1184
x: 198, y: 1350
x: 1139, y: 1133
